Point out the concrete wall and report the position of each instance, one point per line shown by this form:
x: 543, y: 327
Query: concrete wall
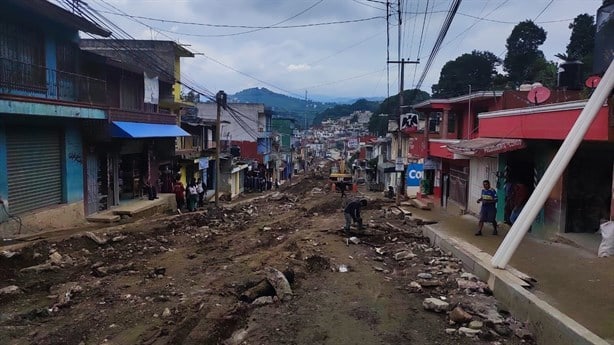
x: 4, y: 185
x: 51, y: 218
x: 72, y: 176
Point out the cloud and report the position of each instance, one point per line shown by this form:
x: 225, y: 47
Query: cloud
x: 298, y: 68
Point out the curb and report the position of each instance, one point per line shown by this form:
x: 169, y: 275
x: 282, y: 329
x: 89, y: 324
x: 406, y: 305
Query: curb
x: 549, y: 325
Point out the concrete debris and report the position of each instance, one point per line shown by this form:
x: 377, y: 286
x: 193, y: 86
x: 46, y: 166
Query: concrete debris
x: 430, y: 282
x: 263, y: 300
x: 99, y: 240
x: 47, y: 266
x: 450, y: 331
x: 55, y: 258
x: 65, y: 293
x: 415, y: 287
x: 425, y: 276
x: 354, y: 240
x: 459, y: 315
x: 166, y: 313
x: 9, y: 254
x: 10, y: 290
x: 435, y: 304
x: 468, y: 331
x: 343, y: 268
x: 280, y: 283
x: 403, y: 255
x: 119, y: 238
x: 380, y: 251
x: 469, y: 276
x: 476, y: 324
x: 472, y: 285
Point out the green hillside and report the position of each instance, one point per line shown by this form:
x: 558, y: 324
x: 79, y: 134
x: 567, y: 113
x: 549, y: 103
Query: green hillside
x: 282, y: 105
x: 346, y: 109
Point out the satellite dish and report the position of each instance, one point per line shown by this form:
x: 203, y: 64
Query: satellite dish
x: 538, y: 95
x: 592, y: 81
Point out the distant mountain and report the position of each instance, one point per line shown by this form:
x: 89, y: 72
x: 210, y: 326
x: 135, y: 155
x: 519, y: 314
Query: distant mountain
x: 341, y: 110
x: 282, y: 105
x: 344, y: 100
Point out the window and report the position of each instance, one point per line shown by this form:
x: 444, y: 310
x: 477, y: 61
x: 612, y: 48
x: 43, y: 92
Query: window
x: 452, y: 122
x: 22, y: 57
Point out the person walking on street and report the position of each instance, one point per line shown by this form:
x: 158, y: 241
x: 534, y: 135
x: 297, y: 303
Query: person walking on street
x: 351, y: 212
x: 192, y: 194
x: 488, y: 211
x: 201, y: 188
x: 179, y: 191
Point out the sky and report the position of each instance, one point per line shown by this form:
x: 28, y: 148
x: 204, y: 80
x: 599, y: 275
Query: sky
x: 318, y: 59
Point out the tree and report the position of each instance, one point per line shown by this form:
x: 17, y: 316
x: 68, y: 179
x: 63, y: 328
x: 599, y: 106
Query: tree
x: 477, y: 69
x: 378, y: 124
x: 391, y: 104
x: 582, y: 39
x: 523, y: 57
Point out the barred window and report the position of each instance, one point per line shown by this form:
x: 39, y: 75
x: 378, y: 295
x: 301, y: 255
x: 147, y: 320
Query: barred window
x: 22, y: 56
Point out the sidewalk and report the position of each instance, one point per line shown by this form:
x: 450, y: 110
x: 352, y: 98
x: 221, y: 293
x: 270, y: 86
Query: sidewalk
x: 571, y: 279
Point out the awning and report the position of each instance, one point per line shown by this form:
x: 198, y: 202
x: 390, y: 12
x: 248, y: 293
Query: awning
x: 486, y: 146
x: 121, y: 129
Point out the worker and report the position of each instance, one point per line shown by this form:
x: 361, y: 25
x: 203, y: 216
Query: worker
x: 351, y: 213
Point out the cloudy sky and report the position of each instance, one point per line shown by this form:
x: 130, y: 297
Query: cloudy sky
x: 290, y: 47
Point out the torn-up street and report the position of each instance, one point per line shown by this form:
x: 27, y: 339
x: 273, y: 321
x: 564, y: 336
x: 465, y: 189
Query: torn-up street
x: 274, y: 269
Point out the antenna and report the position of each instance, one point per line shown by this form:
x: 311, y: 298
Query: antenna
x: 538, y: 95
x: 592, y: 81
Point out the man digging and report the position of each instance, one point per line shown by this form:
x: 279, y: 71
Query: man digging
x: 351, y: 213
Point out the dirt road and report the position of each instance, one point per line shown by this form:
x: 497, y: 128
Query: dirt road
x: 213, y: 277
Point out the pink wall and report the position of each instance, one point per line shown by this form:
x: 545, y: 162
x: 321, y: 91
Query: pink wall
x: 550, y: 125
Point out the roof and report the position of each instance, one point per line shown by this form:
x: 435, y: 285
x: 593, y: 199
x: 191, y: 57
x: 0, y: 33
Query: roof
x: 460, y: 99
x: 480, y: 147
x: 57, y: 14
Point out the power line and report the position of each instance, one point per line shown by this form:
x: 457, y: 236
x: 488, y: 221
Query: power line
x: 544, y: 10
x: 442, y: 34
x: 516, y: 22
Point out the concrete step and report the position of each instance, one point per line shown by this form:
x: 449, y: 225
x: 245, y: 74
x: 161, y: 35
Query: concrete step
x: 106, y: 217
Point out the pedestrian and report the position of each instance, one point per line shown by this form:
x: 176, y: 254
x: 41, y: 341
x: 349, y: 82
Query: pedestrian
x: 192, y: 196
x: 351, y: 212
x: 179, y: 191
x: 341, y: 186
x: 488, y: 211
x: 201, y: 187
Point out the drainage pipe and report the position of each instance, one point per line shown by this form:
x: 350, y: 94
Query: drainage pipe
x: 555, y: 170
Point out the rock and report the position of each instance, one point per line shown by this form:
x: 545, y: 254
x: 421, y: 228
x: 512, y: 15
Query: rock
x: 261, y: 289
x: 425, y: 276
x: 491, y: 316
x: 119, y: 238
x: 502, y: 330
x: 476, y: 324
x: 415, y: 287
x: 406, y: 254
x: 459, y: 315
x: 378, y: 268
x: 354, y: 240
x: 380, y: 251
x: 166, y: 312
x: 450, y: 331
x: 10, y: 290
x: 429, y: 282
x: 263, y: 300
x: 471, y: 285
x: 468, y: 331
x: 65, y: 293
x: 39, y: 268
x: 435, y: 304
x: 266, y: 228
x: 55, y: 258
x: 9, y: 254
x: 279, y: 283
x: 98, y: 239
x: 469, y: 276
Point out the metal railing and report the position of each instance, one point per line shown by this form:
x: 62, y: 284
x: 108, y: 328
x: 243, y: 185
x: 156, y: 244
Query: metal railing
x: 23, y: 79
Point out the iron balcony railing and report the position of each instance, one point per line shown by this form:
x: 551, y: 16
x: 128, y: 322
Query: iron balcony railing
x: 23, y: 79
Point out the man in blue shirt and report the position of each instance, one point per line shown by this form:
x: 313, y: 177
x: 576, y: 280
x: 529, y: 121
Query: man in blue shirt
x: 488, y: 211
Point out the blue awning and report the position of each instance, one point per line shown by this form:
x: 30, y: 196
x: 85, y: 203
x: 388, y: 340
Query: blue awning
x: 121, y: 129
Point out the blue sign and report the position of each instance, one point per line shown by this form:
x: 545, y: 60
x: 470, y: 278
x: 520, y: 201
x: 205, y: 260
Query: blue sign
x: 414, y: 174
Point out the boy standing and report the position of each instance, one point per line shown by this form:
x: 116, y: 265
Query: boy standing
x: 488, y: 211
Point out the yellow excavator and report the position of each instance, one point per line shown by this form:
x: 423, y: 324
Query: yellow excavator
x: 339, y: 174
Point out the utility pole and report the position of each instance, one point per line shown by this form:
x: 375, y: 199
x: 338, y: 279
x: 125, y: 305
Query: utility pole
x: 220, y: 99
x: 399, y: 159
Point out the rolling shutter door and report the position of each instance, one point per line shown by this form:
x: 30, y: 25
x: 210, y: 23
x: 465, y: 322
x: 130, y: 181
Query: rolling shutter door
x: 34, y: 168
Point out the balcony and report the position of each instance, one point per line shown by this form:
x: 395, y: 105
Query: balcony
x: 28, y: 80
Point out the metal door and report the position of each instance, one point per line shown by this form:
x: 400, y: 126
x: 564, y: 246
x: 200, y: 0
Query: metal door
x: 34, y: 168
